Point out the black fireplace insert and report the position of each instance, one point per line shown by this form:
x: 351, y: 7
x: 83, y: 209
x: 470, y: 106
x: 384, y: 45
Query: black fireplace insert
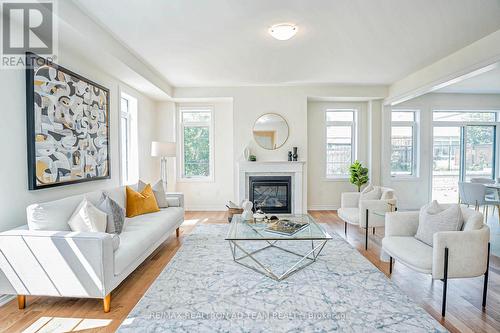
x: 271, y: 194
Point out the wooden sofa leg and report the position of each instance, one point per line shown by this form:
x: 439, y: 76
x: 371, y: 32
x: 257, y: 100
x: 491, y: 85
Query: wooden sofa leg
x: 21, y: 301
x: 107, y: 303
x: 485, y: 287
x: 445, y: 282
x: 177, y: 232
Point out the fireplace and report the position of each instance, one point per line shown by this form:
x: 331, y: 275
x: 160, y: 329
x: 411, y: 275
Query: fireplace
x: 272, y: 194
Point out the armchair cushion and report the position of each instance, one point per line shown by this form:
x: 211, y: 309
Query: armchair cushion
x: 371, y: 193
x: 349, y: 215
x: 409, y: 250
x: 434, y: 218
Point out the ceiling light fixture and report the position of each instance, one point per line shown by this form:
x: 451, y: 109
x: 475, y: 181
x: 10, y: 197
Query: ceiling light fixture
x: 283, y: 31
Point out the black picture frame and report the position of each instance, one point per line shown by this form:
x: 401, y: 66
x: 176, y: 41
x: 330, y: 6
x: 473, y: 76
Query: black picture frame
x: 31, y: 58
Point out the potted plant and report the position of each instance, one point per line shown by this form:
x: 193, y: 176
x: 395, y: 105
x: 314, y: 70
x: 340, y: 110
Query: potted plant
x: 358, y: 175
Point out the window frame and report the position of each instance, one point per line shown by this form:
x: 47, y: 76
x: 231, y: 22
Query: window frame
x: 129, y: 173
x: 180, y: 134
x: 415, y: 139
x: 354, y: 138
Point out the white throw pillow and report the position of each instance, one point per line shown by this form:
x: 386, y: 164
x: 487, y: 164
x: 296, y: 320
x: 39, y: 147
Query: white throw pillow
x: 88, y: 218
x: 435, y: 218
x: 371, y: 193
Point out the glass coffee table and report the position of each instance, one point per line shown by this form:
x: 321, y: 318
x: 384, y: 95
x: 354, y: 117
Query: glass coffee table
x: 243, y: 233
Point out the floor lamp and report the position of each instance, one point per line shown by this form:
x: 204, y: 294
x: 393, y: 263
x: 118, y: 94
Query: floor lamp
x: 163, y: 150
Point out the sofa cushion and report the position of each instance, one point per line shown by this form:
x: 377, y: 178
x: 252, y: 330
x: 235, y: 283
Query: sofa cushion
x: 115, y: 214
x: 159, y: 192
x: 139, y: 203
x: 410, y: 251
x: 435, y: 218
x: 349, y: 215
x: 88, y: 218
x: 142, y: 232
x: 54, y: 215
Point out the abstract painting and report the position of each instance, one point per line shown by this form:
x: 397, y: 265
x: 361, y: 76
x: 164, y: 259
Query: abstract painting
x: 68, y: 126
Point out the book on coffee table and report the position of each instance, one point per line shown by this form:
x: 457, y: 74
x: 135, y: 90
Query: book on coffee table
x: 286, y: 227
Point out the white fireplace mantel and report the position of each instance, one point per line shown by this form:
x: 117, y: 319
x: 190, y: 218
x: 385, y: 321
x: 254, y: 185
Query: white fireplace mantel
x: 273, y: 168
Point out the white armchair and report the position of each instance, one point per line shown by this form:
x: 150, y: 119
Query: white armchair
x: 454, y: 254
x: 361, y: 212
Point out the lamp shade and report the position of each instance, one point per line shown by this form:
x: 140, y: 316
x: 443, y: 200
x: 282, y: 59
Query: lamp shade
x: 162, y: 149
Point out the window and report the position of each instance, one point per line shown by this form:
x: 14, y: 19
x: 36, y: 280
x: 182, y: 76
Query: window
x: 403, y: 143
x: 340, y: 142
x: 461, y: 116
x: 129, y: 161
x: 196, y: 137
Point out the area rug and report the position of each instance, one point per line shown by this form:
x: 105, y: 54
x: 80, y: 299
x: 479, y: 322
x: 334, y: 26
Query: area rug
x: 203, y: 290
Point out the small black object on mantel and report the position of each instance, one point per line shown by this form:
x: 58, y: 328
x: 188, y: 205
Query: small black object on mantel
x: 295, y: 156
x: 289, y: 156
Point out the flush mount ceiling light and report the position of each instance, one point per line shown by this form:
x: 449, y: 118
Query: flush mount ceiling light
x: 283, y: 31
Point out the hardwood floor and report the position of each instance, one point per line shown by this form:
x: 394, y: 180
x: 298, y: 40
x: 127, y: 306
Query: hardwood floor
x: 464, y: 312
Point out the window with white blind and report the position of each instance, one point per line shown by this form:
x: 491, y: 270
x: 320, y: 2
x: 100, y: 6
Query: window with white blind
x: 196, y: 148
x: 404, y: 143
x: 340, y: 141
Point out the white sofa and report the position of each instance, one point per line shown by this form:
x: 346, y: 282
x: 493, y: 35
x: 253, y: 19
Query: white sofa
x: 354, y: 211
x: 454, y: 254
x: 81, y: 264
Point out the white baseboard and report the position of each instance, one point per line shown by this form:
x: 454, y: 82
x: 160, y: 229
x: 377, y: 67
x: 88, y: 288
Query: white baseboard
x: 4, y: 299
x: 323, y: 207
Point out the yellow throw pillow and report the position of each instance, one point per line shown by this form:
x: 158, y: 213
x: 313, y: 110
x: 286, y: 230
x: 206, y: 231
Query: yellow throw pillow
x: 139, y: 203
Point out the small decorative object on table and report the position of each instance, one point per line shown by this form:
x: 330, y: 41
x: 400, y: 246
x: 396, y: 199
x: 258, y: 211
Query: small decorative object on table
x: 295, y: 155
x: 247, y: 210
x: 289, y: 156
x: 252, y: 158
x: 259, y: 215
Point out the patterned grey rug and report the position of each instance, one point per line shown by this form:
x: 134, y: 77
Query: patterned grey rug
x: 203, y: 290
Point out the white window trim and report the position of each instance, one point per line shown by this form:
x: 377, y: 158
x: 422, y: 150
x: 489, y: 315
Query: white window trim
x: 132, y: 150
x: 354, y: 138
x: 180, y: 138
x: 416, y: 149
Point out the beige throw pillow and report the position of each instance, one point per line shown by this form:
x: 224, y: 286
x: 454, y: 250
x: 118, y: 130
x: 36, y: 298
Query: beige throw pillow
x: 435, y: 218
x: 158, y: 191
x: 371, y: 193
x: 87, y: 218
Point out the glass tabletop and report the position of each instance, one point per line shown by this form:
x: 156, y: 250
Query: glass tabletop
x: 250, y: 230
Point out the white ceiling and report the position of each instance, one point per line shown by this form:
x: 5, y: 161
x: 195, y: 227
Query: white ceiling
x: 486, y: 83
x: 225, y: 42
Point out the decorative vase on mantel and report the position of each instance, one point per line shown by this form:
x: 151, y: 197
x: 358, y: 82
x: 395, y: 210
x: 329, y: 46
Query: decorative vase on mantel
x: 290, y: 155
x: 295, y: 155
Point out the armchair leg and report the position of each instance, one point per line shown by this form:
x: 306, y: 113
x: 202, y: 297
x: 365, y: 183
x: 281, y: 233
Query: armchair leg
x: 374, y: 231
x: 345, y: 228
x: 390, y: 265
x: 107, y: 302
x: 21, y: 301
x: 177, y: 232
x: 366, y: 232
x: 445, y: 282
x: 485, y: 287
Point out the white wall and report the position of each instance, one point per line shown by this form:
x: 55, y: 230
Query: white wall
x: 15, y: 195
x: 203, y: 195
x: 291, y: 102
x: 413, y: 193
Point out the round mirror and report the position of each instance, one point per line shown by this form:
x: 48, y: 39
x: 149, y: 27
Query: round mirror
x: 270, y: 131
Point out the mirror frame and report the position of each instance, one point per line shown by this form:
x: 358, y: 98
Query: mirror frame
x: 276, y: 114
